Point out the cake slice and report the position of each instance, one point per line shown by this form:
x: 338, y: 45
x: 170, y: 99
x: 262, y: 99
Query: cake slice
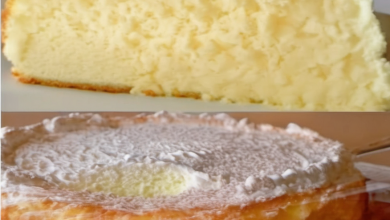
x: 174, y: 166
x: 293, y: 54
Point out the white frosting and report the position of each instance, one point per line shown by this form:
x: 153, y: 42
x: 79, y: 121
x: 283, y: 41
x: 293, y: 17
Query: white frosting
x: 223, y: 161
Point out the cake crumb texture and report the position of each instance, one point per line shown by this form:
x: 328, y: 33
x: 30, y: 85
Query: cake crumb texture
x: 293, y: 54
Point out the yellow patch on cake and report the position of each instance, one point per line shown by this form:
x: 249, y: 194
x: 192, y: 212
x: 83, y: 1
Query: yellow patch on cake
x: 145, y: 180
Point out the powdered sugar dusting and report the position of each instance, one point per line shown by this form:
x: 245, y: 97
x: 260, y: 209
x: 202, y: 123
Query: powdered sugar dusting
x: 230, y: 162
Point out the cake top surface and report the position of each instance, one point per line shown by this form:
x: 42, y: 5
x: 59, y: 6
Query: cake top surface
x: 166, y: 160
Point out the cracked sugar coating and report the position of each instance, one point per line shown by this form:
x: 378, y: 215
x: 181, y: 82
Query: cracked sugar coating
x: 228, y: 162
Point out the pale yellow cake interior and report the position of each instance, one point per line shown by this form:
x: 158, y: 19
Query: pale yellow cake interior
x: 145, y: 180
x: 294, y: 54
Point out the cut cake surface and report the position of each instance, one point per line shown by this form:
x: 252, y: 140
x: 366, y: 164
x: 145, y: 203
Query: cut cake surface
x: 293, y: 54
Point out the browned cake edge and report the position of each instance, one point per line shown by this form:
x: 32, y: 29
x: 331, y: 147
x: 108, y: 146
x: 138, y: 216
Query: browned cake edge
x: 352, y: 207
x: 105, y: 88
x: 31, y: 80
x: 5, y: 13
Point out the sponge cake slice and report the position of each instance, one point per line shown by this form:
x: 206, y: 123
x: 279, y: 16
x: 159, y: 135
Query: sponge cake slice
x: 302, y: 54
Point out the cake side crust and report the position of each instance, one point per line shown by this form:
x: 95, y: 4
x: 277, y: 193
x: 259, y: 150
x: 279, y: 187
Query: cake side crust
x: 314, y: 204
x: 31, y: 80
x: 104, y: 88
x: 5, y: 14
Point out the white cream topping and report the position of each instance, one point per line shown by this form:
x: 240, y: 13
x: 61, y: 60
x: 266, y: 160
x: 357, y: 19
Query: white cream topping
x: 166, y: 160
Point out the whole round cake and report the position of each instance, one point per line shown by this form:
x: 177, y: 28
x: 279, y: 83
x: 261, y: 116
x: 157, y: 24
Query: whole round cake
x: 174, y: 166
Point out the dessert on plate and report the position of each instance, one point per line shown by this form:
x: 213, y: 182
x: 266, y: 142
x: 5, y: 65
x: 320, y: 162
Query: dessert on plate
x: 300, y: 54
x: 175, y: 166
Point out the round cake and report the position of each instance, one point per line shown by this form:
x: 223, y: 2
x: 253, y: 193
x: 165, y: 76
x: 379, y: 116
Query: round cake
x: 174, y: 166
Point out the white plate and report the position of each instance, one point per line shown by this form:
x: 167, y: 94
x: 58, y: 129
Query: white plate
x: 16, y: 97
x: 382, y: 6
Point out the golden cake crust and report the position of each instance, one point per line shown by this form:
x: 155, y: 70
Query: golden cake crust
x: 352, y: 207
x: 105, y: 88
x: 4, y: 18
x: 30, y: 80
